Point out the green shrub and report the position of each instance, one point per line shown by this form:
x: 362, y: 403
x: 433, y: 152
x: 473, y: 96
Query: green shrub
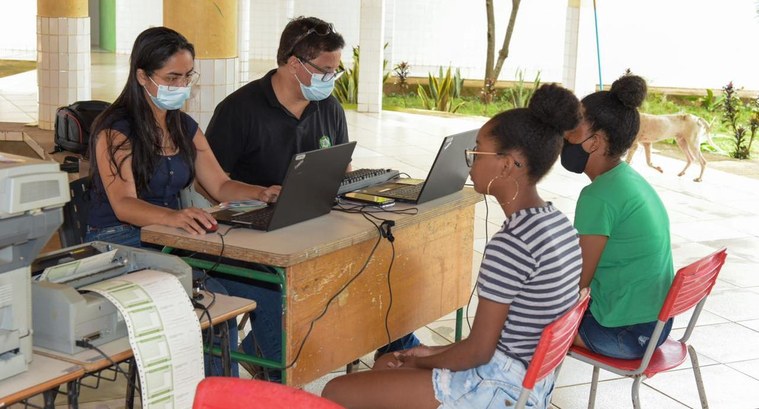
x: 519, y: 94
x: 439, y: 93
x: 346, y: 87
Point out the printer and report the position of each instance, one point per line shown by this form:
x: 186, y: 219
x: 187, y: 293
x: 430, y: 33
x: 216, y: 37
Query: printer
x: 32, y: 192
x: 63, y: 315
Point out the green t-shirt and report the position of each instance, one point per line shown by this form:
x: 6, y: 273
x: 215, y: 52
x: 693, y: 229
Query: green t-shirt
x: 635, y: 270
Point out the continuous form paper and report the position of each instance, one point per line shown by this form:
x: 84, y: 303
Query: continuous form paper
x: 164, y: 333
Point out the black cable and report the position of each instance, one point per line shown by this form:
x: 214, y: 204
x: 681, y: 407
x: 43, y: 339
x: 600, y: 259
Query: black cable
x: 329, y: 302
x: 86, y: 344
x: 389, y: 289
x: 209, y: 337
x: 474, y: 287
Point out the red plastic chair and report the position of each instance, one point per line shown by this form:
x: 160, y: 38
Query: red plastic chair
x: 556, y: 339
x: 691, y: 286
x: 235, y: 393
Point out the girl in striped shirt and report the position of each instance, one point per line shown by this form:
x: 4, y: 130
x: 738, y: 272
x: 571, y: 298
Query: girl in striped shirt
x: 528, y: 277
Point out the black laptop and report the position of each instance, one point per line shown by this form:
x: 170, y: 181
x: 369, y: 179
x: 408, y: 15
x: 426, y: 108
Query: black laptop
x: 308, y: 191
x: 447, y: 175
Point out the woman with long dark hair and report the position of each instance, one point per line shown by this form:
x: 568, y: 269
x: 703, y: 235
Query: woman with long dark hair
x: 145, y: 150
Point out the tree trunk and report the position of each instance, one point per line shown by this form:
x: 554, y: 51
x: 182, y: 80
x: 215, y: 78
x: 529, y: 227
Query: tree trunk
x: 504, y: 53
x: 492, y: 71
x: 491, y: 40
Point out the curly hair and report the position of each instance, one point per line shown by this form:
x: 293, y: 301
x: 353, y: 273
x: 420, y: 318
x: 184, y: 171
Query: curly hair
x: 616, y: 112
x: 538, y: 130
x: 306, y: 37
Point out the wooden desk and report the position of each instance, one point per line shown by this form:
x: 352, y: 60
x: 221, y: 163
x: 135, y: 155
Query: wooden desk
x: 44, y: 375
x: 431, y: 276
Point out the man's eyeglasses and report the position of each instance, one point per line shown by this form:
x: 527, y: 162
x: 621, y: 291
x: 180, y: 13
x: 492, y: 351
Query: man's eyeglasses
x: 174, y: 82
x: 469, y: 156
x: 327, y: 76
x: 319, y: 29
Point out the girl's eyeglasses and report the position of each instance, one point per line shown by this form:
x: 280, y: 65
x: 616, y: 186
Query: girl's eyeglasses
x: 469, y: 156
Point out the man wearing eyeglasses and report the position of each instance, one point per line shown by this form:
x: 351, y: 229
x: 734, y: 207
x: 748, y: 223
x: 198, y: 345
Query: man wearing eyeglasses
x: 256, y: 130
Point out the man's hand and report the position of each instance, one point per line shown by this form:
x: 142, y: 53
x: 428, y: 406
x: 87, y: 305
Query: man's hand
x: 270, y: 194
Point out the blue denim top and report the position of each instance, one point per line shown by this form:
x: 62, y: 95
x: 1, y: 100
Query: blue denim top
x: 171, y: 174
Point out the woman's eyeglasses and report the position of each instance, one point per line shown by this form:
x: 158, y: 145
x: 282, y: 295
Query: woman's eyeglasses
x: 320, y: 30
x: 174, y: 82
x: 469, y: 156
x: 327, y: 76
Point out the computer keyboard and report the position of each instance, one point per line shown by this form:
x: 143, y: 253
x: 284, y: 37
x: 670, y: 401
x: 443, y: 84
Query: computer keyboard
x: 361, y: 178
x: 410, y: 192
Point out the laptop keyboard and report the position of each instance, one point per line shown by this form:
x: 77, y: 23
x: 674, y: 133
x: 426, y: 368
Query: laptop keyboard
x: 410, y: 192
x: 258, y: 218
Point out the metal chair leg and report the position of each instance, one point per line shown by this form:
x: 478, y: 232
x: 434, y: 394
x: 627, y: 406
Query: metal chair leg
x: 697, y: 374
x: 593, y: 388
x: 636, y: 392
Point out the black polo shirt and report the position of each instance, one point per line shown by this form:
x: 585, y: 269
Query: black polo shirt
x: 254, y: 137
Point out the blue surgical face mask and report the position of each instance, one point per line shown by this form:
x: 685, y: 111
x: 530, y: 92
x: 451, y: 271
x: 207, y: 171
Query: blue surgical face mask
x: 169, y: 98
x: 319, y: 89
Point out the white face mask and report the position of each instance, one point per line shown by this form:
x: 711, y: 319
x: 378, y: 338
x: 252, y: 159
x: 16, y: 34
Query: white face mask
x: 169, y: 98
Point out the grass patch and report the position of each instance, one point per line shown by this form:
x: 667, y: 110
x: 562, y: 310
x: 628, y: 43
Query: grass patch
x: 12, y: 67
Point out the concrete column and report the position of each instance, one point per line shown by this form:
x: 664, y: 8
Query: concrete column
x: 371, y: 42
x: 243, y: 40
x: 580, y: 57
x: 63, y: 56
x: 212, y: 28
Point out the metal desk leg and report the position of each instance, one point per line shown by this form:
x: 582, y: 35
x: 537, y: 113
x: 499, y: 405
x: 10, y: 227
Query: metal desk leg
x: 131, y: 384
x: 459, y: 323
x: 226, y: 359
x: 49, y: 398
x: 73, y: 394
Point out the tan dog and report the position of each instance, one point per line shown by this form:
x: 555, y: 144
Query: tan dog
x: 685, y: 128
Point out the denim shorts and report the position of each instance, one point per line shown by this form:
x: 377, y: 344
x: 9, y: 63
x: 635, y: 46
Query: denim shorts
x: 124, y: 234
x: 496, y: 384
x: 626, y: 342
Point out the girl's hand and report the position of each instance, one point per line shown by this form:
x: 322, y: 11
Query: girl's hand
x: 192, y: 220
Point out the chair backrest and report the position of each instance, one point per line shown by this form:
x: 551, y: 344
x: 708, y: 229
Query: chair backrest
x: 75, y: 212
x: 235, y: 393
x: 692, y: 284
x: 555, y: 341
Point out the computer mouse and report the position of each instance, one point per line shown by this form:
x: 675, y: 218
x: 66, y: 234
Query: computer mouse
x: 211, y: 229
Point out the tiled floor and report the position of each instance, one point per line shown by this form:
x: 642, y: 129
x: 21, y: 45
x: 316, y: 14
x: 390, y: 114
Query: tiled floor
x: 721, y: 211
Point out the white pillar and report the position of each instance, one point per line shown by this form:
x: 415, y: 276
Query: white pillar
x: 371, y: 42
x: 243, y: 40
x: 580, y: 57
x: 63, y: 64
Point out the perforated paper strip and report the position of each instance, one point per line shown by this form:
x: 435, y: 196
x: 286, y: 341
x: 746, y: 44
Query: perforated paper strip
x: 164, y: 334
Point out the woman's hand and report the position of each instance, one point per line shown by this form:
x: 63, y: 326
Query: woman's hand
x: 270, y: 194
x: 191, y: 220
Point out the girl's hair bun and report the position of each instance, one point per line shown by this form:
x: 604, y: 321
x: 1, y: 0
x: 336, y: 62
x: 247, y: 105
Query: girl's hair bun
x: 556, y: 107
x: 630, y: 90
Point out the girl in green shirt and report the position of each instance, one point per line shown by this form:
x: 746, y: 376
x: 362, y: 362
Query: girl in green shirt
x: 623, y: 226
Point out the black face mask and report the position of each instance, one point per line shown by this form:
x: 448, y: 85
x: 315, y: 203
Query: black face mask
x: 573, y: 156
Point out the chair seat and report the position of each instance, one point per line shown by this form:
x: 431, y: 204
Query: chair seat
x: 668, y: 355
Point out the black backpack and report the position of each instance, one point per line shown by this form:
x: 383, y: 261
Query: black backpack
x: 73, y: 123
